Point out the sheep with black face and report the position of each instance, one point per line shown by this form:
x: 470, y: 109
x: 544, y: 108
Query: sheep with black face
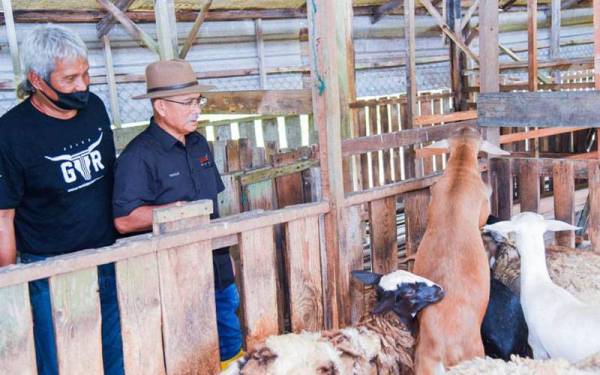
x: 381, y: 343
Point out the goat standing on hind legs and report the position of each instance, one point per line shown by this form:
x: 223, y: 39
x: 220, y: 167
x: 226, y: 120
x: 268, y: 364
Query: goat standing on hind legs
x: 452, y: 255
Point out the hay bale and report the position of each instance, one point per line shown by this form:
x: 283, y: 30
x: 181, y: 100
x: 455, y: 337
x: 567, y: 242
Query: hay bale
x: 577, y: 271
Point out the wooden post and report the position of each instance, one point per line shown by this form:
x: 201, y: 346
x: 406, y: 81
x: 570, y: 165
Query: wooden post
x: 260, y: 52
x: 330, y: 77
x: 12, y: 40
x: 532, y: 44
x: 554, y: 52
x: 411, y: 83
x: 594, y: 199
x: 189, y: 41
x: 166, y: 28
x: 107, y: 22
x: 596, y: 16
x: 112, y: 83
x: 457, y: 61
x: 489, y: 69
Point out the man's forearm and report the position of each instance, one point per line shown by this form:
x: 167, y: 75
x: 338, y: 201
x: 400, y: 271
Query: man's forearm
x: 8, y: 246
x: 139, y: 220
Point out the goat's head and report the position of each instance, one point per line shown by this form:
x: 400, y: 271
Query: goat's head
x: 469, y: 136
x: 402, y: 292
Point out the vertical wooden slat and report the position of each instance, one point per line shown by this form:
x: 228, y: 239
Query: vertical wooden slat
x: 230, y: 201
x: 353, y: 292
x: 529, y: 184
x: 303, y: 264
x: 416, y: 205
x: 554, y: 51
x: 139, y: 307
x: 233, y: 155
x: 289, y: 188
x: 187, y: 295
x: 563, y: 182
x: 596, y: 18
x: 532, y: 63
x: 488, y: 52
x: 411, y: 82
x: 374, y: 155
x: 166, y: 28
x: 260, y: 195
x: 500, y: 171
x: 17, y: 351
x: 76, y: 315
x: 387, y: 154
x: 395, y: 126
x: 259, y: 294
x: 260, y: 48
x: 427, y: 162
x: 220, y: 155
x: 245, y: 154
x: 364, y: 158
x: 384, y: 242
x: 594, y: 199
x: 112, y: 83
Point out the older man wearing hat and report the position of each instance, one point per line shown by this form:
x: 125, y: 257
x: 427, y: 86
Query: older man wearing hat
x: 170, y: 162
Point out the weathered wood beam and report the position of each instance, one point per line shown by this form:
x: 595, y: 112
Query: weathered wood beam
x: 507, y: 5
x: 112, y: 83
x: 470, y: 12
x: 12, y: 41
x: 446, y: 30
x: 108, y: 21
x: 411, y: 83
x: 166, y: 28
x: 554, y: 51
x: 532, y: 44
x: 516, y: 57
x: 457, y: 60
x: 132, y: 29
x: 540, y: 109
x: 189, y: 41
x: 268, y: 102
x: 384, y: 9
x: 488, y: 50
x: 260, y: 49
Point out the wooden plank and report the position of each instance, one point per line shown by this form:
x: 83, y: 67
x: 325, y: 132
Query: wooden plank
x: 411, y: 83
x: 270, y: 173
x: 384, y: 243
x: 387, y: 154
x: 384, y: 9
x: 108, y: 21
x: 289, y: 188
x: 594, y: 199
x: 563, y: 183
x: 230, y: 201
x: 245, y: 153
x: 401, y: 138
x: 554, y: 51
x: 139, y: 308
x: 532, y: 44
x: 260, y: 195
x: 17, y: 351
x: 488, y: 50
x: 395, y: 126
x: 76, y: 316
x: 219, y: 229
x: 259, y: 292
x: 219, y: 150
x: 112, y: 83
x: 11, y: 33
x: 166, y: 28
x: 416, y: 204
x: 427, y: 163
x: 469, y: 14
x: 132, y: 29
x: 266, y: 102
x: 352, y: 292
x: 260, y: 48
x: 500, y: 173
x: 233, y: 155
x: 189, y: 41
x: 539, y: 109
x: 361, y: 117
x: 303, y: 265
x: 596, y: 18
x: 446, y: 117
x: 375, y: 175
x: 529, y: 184
x: 187, y: 297
x: 538, y: 133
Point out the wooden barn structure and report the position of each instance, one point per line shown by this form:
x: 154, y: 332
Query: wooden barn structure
x: 302, y: 219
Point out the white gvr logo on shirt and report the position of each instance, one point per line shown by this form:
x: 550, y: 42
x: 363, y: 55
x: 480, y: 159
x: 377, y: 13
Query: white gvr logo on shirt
x: 83, y: 162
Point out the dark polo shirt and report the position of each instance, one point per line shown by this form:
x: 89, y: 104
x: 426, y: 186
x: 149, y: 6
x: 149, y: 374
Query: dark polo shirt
x: 156, y: 169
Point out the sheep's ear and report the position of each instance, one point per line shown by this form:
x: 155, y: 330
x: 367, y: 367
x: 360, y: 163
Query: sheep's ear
x: 557, y: 226
x: 440, y: 144
x: 492, y: 149
x: 367, y: 277
x: 501, y: 227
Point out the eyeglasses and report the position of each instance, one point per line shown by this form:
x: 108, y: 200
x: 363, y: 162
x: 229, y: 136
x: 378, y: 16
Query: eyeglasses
x: 196, y: 102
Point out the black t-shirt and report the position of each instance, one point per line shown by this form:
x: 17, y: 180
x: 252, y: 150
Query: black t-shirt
x: 156, y: 169
x: 58, y: 176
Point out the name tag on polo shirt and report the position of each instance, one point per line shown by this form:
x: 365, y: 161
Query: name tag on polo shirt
x: 174, y: 174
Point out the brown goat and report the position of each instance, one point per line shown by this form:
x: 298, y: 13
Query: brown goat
x: 452, y: 255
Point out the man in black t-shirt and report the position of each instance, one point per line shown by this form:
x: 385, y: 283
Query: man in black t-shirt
x: 57, y: 157
x: 170, y: 162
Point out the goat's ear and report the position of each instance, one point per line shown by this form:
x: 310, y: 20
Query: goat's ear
x: 557, y: 226
x: 440, y: 144
x: 492, y: 149
x: 501, y: 227
x: 367, y: 277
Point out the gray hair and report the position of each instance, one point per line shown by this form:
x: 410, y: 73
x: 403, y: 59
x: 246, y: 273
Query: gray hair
x: 42, y: 47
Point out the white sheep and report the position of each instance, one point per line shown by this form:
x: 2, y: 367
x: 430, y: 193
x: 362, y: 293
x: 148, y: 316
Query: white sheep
x: 381, y: 343
x: 560, y: 325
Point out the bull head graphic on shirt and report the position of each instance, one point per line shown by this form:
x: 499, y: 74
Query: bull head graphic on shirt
x: 82, y: 162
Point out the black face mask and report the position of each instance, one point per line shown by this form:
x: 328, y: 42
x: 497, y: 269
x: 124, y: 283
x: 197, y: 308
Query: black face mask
x: 73, y: 100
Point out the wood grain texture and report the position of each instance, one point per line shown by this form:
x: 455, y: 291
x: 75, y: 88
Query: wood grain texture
x: 259, y: 294
x: 501, y: 178
x: 17, y: 351
x: 594, y: 198
x: 384, y: 243
x: 416, y: 205
x: 138, y: 291
x: 230, y: 200
x: 532, y: 69
x: 275, y: 102
x: 373, y: 131
x: 563, y: 182
x: 529, y: 184
x: 303, y: 265
x: 76, y: 315
x: 352, y: 291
